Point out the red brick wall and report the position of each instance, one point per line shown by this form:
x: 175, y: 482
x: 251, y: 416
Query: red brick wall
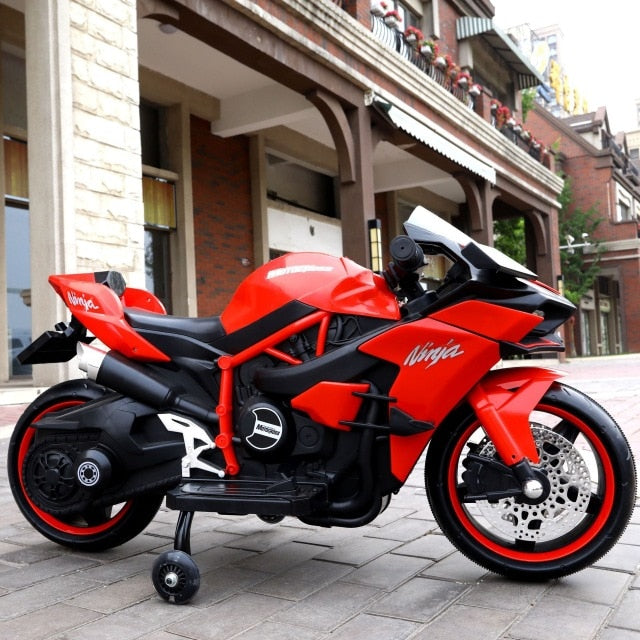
x: 222, y: 215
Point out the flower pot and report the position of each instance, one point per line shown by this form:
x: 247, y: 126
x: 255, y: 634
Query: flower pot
x: 391, y: 22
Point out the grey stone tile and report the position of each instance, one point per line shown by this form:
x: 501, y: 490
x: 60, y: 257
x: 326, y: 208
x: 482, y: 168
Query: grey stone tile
x: 46, y: 622
x: 132, y: 622
x: 359, y: 551
x: 434, y: 546
x: 388, y: 571
x: 55, y: 567
x: 403, y: 530
x: 108, y: 572
x: 367, y: 627
x: 218, y: 585
x: 593, y: 585
x: 43, y: 594
x: 496, y: 592
x: 557, y: 617
x: 278, y: 631
x: 33, y: 553
x: 263, y: 540
x: 456, y: 567
x: 631, y: 535
x: 116, y: 596
x: 228, y: 618
x: 627, y: 615
x: 420, y: 599
x: 301, y: 580
x: 330, y: 606
x: 281, y: 558
x: 613, y: 633
x: 622, y: 557
x: 460, y: 621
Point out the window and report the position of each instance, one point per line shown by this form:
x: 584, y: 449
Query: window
x: 158, y: 193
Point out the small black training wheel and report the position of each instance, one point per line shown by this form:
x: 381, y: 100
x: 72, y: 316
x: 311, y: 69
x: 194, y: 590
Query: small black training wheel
x: 271, y: 519
x: 175, y: 576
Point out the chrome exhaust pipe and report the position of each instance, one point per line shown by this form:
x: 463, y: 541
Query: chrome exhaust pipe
x: 111, y: 369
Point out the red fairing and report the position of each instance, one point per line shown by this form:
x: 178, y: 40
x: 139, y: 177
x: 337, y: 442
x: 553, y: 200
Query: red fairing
x: 438, y: 364
x: 335, y: 285
x: 100, y: 310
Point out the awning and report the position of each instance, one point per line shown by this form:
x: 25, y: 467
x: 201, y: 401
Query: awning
x: 469, y: 27
x: 422, y: 132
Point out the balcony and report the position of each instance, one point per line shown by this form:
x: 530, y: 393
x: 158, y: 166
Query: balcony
x: 468, y: 93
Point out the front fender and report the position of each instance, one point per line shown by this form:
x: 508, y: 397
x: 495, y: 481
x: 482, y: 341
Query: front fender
x: 503, y: 401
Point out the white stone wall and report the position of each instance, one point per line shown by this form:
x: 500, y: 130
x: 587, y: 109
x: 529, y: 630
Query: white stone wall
x: 109, y: 222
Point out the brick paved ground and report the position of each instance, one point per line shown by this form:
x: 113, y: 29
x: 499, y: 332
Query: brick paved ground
x: 395, y: 578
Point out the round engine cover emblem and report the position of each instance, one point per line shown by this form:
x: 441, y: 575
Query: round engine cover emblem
x: 268, y: 428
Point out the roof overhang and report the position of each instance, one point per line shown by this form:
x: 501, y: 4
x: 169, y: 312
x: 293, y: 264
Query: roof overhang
x: 420, y: 128
x: 470, y: 27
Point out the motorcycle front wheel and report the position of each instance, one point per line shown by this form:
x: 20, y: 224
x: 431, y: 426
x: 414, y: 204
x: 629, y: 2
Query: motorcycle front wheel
x: 589, y: 500
x: 94, y: 529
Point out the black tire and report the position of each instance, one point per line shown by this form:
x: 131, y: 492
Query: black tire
x: 94, y: 530
x: 589, y: 464
x: 175, y: 576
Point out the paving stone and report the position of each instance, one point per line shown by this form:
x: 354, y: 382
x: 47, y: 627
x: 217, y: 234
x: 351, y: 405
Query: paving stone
x: 55, y: 567
x: 367, y: 627
x: 388, y: 571
x: 278, y: 631
x: 456, y: 567
x: 116, y: 596
x: 264, y: 540
x: 43, y: 594
x: 622, y: 557
x: 281, y: 558
x: 330, y: 606
x: 593, y: 585
x: 612, y: 633
x: 420, y: 599
x: 302, y: 580
x: 434, y: 546
x: 557, y: 617
x: 403, y: 530
x: 631, y: 535
x: 216, y: 585
x: 132, y: 622
x: 627, y: 614
x: 359, y: 551
x: 460, y: 621
x: 496, y: 592
x: 109, y: 572
x: 225, y: 619
x: 46, y: 622
x: 31, y: 554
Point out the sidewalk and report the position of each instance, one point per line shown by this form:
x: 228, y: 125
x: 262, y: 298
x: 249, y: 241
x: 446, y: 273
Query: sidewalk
x: 396, y: 578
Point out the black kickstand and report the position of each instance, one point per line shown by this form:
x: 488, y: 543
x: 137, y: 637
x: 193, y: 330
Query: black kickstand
x: 181, y: 541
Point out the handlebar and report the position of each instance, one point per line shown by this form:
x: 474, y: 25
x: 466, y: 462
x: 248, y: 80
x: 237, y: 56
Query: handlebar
x: 400, y: 274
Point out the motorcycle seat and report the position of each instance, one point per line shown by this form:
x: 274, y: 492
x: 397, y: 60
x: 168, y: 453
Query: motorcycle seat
x: 205, y: 330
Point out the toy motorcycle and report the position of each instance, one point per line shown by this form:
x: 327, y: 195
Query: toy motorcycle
x: 313, y: 395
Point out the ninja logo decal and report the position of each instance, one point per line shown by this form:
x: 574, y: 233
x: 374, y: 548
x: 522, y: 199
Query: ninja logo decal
x: 431, y: 354
x: 267, y: 429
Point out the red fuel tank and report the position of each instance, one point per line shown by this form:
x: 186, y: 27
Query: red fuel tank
x: 336, y: 285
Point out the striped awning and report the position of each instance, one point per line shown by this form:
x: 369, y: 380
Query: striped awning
x: 505, y: 47
x: 421, y: 130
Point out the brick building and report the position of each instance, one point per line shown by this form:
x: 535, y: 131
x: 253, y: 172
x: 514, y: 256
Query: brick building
x: 184, y: 142
x: 603, y: 176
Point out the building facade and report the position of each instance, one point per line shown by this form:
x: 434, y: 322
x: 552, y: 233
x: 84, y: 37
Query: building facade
x: 185, y: 142
x: 605, y: 178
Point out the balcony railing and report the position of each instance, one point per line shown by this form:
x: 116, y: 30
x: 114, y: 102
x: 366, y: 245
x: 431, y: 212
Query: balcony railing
x: 396, y: 40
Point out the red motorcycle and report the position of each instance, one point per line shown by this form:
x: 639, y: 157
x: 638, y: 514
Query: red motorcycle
x: 313, y: 395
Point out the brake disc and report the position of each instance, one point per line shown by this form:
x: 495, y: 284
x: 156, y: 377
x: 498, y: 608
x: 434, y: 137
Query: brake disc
x: 564, y: 507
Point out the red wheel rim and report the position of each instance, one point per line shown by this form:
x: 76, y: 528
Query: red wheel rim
x: 60, y: 525
x: 583, y: 539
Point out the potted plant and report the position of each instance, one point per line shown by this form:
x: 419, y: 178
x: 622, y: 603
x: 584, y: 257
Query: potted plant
x: 392, y: 19
x: 413, y: 35
x: 463, y: 79
x: 495, y: 104
x: 475, y: 90
x: 379, y: 7
x: 429, y: 49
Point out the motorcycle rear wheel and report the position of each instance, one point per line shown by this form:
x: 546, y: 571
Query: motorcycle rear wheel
x: 590, y: 468
x: 94, y: 529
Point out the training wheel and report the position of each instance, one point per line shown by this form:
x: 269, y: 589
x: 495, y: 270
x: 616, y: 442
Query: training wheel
x: 175, y: 576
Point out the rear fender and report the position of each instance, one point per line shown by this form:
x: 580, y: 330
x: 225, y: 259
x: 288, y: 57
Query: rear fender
x: 503, y: 401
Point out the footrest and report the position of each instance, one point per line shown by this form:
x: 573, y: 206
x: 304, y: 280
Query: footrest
x: 240, y: 497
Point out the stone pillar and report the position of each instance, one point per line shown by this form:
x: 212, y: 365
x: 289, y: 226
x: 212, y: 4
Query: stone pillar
x: 84, y: 149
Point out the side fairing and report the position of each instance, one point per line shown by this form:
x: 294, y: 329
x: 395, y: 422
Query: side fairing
x: 335, y: 285
x: 438, y: 364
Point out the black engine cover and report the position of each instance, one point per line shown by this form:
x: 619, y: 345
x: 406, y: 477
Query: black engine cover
x: 265, y: 429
